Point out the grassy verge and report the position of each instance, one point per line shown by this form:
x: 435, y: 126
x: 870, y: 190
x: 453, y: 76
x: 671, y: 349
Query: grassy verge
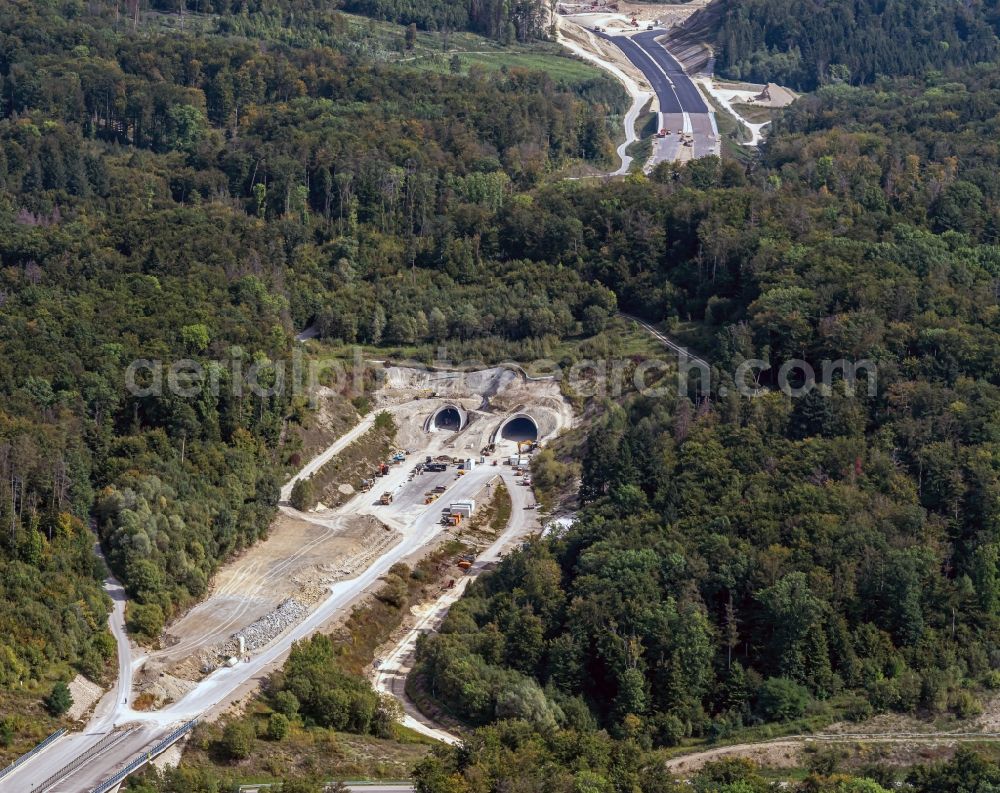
x: 619, y: 338
x: 383, y: 41
x: 755, y: 114
x: 731, y: 132
x: 562, y: 69
x: 490, y: 520
x: 24, y: 722
x: 645, y: 128
x: 358, y: 461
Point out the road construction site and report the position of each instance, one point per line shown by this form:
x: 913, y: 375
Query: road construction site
x: 625, y: 39
x: 662, y: 64
x: 455, y: 432
x: 391, y: 669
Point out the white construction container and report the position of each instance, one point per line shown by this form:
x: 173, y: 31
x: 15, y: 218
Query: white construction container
x: 463, y: 508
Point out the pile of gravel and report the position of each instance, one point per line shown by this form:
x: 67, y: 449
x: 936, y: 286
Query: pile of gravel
x: 266, y: 628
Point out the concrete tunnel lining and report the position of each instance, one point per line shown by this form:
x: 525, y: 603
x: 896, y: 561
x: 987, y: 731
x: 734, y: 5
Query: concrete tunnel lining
x: 520, y: 427
x: 448, y: 417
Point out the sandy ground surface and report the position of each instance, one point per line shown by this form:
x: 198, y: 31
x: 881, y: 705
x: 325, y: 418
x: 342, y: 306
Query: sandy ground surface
x: 307, y: 552
x: 575, y: 23
x: 85, y: 695
x: 780, y: 754
x: 299, y: 558
x: 618, y: 16
x: 897, y: 739
x: 574, y: 30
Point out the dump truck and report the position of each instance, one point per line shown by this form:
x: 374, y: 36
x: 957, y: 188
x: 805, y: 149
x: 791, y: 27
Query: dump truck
x: 385, y: 498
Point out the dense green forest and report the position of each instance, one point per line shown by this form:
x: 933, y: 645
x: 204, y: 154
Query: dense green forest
x: 803, y: 43
x: 505, y: 21
x: 741, y: 562
x: 170, y: 195
x: 753, y: 560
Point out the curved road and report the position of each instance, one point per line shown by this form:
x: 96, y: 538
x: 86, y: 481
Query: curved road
x: 689, y: 99
x: 639, y: 97
x: 390, y: 677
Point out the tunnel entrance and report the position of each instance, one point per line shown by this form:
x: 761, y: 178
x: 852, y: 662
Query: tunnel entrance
x: 448, y: 418
x: 520, y: 428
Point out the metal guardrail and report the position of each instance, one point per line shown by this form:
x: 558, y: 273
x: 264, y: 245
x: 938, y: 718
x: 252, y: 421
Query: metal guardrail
x: 28, y: 755
x: 109, y: 740
x: 141, y: 760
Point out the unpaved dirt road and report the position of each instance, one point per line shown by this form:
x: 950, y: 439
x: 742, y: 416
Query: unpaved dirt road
x: 786, y: 752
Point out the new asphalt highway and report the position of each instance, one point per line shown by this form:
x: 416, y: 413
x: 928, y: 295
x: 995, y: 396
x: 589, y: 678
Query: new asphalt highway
x: 689, y: 100
x: 674, y: 89
x: 682, y: 108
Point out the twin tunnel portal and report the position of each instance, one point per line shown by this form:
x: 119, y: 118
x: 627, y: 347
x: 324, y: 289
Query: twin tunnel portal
x: 452, y: 418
